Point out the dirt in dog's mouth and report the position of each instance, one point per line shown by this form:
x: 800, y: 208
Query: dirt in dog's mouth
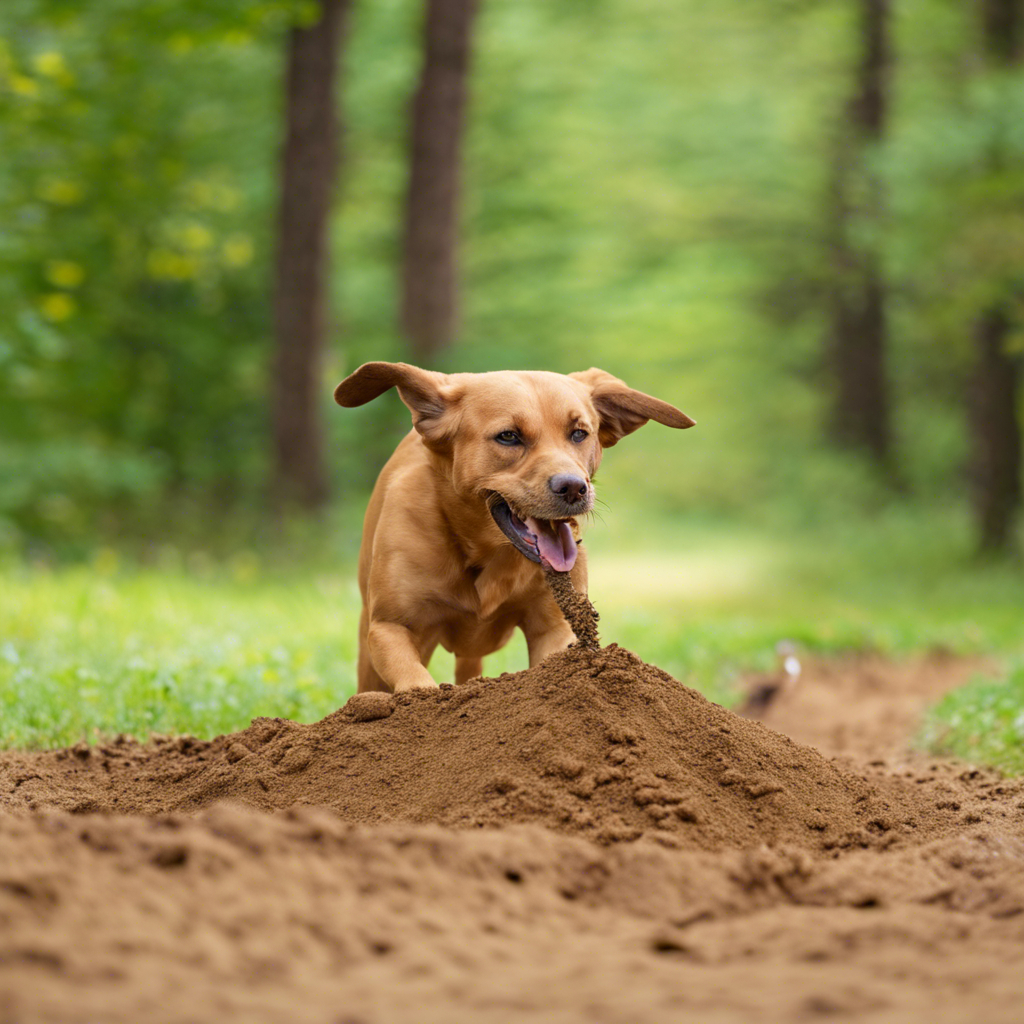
x: 549, y: 542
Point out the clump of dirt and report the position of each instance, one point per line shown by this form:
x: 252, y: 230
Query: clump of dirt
x: 578, y: 611
x: 595, y: 743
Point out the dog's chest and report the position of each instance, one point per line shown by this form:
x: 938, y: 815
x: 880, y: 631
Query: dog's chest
x: 469, y: 636
x: 505, y: 584
x: 490, y: 605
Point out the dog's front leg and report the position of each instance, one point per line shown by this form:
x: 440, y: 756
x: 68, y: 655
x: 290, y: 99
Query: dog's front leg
x: 396, y: 657
x: 547, y: 634
x: 467, y: 668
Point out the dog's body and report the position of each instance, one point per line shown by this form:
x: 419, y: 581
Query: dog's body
x: 476, y: 502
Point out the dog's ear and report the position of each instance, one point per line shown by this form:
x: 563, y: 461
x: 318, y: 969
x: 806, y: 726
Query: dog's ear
x: 623, y: 410
x: 427, y: 394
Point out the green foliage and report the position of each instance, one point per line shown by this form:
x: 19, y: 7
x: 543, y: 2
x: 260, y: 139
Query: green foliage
x: 135, y: 189
x: 982, y: 723
x: 955, y: 168
x: 99, y: 650
x: 644, y: 190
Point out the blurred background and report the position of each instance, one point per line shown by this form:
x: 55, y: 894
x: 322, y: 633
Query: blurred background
x: 801, y: 222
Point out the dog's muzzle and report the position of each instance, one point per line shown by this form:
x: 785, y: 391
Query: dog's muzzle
x: 549, y: 542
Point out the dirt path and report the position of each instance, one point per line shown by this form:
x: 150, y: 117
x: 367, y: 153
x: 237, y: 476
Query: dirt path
x: 588, y: 841
x: 866, y: 707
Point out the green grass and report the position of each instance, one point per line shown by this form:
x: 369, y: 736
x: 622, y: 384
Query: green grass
x: 97, y: 650
x: 202, y: 647
x: 982, y: 722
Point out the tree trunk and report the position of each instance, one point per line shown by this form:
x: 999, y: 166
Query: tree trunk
x: 861, y: 415
x: 993, y: 397
x: 995, y: 433
x: 430, y: 283
x: 308, y: 172
x: 1003, y: 28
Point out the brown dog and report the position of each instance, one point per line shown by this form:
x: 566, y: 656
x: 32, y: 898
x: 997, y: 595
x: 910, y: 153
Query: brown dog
x: 478, y: 499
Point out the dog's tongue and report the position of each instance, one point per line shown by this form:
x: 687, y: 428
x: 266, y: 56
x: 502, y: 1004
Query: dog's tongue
x: 555, y: 542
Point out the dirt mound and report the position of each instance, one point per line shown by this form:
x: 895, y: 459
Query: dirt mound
x: 618, y: 849
x: 593, y: 743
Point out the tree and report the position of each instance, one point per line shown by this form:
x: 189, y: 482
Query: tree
x: 430, y: 286
x: 993, y: 397
x: 859, y: 328
x: 308, y: 173
x: 995, y: 432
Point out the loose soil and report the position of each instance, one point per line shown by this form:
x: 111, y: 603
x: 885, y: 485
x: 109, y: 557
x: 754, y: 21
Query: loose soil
x: 589, y: 840
x: 581, y: 615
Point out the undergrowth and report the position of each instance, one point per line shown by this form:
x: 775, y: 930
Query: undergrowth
x: 982, y: 722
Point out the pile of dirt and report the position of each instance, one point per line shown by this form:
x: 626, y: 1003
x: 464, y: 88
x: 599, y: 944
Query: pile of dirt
x: 595, y: 743
x: 588, y: 840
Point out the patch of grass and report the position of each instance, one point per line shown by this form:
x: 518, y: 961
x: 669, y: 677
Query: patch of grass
x: 982, y: 722
x: 93, y: 651
x: 193, y: 645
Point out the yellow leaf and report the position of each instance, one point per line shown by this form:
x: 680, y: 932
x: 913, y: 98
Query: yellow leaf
x: 180, y: 43
x: 60, y: 191
x: 23, y: 85
x: 237, y: 251
x: 196, y: 237
x: 167, y: 265
x: 50, y: 63
x: 56, y: 306
x: 237, y: 37
x: 64, y: 273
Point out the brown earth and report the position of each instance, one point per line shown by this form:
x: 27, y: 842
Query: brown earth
x: 586, y: 841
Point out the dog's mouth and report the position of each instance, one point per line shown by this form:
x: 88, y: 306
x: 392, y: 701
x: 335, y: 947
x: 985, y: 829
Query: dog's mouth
x: 549, y: 542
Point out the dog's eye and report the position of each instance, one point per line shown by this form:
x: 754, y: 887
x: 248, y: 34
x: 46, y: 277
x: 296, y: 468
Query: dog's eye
x: 579, y: 436
x: 508, y: 437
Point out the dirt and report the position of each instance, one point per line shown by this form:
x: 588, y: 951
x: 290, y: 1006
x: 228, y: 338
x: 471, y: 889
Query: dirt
x: 866, y: 707
x: 589, y: 840
x: 581, y: 615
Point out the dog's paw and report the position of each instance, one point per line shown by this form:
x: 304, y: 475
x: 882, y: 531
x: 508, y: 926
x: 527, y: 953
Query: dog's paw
x: 416, y: 686
x: 367, y: 707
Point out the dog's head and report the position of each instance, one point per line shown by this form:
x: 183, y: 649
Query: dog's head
x: 525, y: 444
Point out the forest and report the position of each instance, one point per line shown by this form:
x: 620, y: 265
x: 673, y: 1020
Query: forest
x: 803, y: 221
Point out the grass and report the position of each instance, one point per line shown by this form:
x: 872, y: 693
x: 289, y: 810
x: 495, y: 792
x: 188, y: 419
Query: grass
x: 982, y: 722
x: 96, y: 650
x: 202, y: 647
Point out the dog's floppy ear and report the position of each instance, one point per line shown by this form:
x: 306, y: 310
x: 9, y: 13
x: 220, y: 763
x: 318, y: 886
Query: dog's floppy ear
x: 427, y: 394
x: 623, y: 410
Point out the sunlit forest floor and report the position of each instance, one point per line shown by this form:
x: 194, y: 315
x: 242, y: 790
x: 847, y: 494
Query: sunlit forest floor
x: 200, y: 645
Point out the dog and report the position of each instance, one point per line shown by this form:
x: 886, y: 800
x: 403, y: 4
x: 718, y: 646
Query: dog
x: 476, y: 503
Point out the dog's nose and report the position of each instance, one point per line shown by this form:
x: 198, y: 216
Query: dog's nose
x: 571, y: 488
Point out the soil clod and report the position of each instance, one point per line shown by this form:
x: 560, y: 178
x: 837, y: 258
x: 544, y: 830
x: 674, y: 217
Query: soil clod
x: 581, y: 615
